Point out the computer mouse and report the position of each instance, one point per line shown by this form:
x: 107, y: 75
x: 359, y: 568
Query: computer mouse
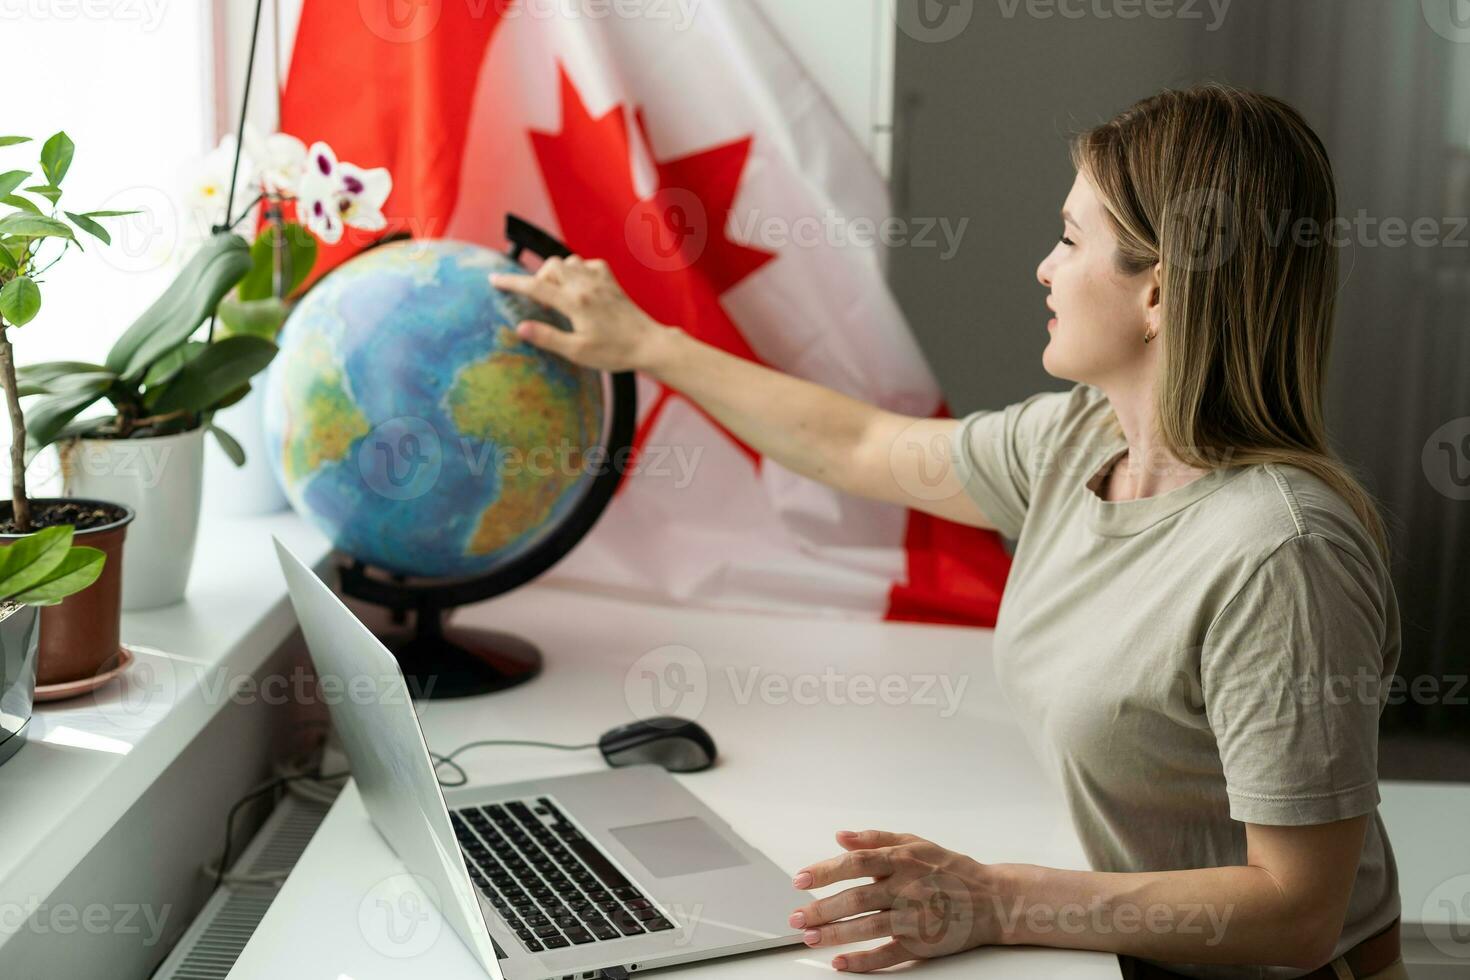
x: 677, y: 744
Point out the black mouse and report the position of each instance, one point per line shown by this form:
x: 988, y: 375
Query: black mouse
x: 677, y: 744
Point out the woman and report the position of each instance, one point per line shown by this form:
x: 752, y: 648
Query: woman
x: 1199, y: 615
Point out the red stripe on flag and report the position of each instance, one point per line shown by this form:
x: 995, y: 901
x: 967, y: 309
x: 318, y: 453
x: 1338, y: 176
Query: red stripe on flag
x: 956, y: 573
x: 390, y: 85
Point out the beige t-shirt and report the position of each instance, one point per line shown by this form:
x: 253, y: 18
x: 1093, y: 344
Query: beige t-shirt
x: 1187, y: 663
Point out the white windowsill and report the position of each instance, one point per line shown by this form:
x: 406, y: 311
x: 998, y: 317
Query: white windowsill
x: 88, y: 760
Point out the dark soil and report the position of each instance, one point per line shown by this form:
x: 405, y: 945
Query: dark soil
x: 80, y: 514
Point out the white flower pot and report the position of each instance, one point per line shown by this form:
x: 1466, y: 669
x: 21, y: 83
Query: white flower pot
x: 242, y: 491
x: 161, y: 479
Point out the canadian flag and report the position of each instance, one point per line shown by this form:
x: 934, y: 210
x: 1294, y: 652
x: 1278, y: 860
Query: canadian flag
x: 687, y: 147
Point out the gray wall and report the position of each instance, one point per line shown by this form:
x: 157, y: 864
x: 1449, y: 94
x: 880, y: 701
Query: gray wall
x: 981, y: 123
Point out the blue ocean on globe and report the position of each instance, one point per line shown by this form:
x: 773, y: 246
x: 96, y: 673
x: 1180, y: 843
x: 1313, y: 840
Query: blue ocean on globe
x: 407, y: 421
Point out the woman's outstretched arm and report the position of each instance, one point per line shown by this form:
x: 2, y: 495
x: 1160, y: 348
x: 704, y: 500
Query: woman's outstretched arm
x: 807, y: 428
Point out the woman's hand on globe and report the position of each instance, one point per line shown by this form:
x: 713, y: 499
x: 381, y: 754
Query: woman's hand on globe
x: 609, y: 332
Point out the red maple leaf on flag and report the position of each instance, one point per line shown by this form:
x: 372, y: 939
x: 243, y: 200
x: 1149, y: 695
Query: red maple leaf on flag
x: 667, y: 249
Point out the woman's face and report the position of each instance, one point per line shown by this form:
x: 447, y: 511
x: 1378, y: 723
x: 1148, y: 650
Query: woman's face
x: 1102, y: 314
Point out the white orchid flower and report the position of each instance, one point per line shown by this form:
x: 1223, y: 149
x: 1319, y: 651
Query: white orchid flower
x: 316, y: 196
x: 335, y: 195
x: 364, y: 193
x: 202, y: 202
x: 281, y: 158
x: 209, y: 185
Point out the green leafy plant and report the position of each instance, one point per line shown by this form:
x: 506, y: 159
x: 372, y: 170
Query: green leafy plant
x: 281, y: 260
x: 35, y: 233
x: 158, y: 380
x: 43, y: 568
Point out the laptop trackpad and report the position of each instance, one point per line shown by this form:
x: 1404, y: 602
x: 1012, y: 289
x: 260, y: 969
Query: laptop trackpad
x: 678, y: 847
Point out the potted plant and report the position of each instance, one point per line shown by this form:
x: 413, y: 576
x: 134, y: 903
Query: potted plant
x: 80, y: 636
x: 146, y: 455
x: 37, y: 570
x: 164, y: 389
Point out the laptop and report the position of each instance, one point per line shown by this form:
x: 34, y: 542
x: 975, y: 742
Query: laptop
x: 605, y: 873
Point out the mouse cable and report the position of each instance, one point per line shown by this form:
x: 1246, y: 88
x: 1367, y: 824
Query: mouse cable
x: 448, y: 760
x: 218, y: 871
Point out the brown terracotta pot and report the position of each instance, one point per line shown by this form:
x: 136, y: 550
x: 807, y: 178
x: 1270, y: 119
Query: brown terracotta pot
x: 80, y: 635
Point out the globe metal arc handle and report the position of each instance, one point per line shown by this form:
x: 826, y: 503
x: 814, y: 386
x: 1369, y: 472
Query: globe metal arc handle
x: 435, y: 595
x: 524, y: 236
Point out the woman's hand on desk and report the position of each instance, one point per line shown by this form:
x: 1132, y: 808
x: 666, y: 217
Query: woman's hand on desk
x: 926, y: 900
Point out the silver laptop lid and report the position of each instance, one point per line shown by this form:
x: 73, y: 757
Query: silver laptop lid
x: 380, y: 733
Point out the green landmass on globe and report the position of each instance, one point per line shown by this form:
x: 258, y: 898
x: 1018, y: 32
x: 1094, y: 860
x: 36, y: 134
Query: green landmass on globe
x: 408, y: 422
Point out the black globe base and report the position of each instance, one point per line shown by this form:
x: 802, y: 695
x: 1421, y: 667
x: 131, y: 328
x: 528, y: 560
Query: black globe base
x: 460, y: 661
x: 439, y: 659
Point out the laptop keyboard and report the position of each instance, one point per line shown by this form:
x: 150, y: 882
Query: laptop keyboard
x: 551, y: 885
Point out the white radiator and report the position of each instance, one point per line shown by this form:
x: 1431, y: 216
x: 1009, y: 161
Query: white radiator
x: 218, y: 935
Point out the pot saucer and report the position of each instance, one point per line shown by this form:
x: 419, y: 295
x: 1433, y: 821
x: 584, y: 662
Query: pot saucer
x: 70, y: 689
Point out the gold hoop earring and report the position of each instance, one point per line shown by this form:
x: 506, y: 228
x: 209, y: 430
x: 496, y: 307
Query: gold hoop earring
x: 1149, y: 336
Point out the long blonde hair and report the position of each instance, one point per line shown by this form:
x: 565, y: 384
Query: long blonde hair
x: 1233, y: 195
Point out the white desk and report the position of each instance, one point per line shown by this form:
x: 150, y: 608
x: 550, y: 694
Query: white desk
x: 797, y: 764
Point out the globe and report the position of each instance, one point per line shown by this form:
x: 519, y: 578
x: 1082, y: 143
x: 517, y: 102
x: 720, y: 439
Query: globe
x: 407, y: 421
